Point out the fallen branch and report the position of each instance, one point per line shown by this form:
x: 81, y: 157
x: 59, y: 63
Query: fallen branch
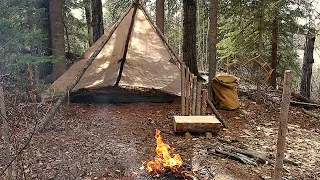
x: 303, y: 104
x: 301, y: 98
x: 237, y: 156
x: 215, y: 111
x: 259, y: 157
x: 250, y: 153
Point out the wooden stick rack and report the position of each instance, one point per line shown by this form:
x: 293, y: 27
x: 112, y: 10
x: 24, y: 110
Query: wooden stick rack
x: 193, y: 97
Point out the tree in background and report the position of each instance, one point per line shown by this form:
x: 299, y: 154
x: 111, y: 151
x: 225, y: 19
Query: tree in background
x: 77, y: 34
x: 88, y: 14
x: 240, y: 28
x: 305, y: 85
x: 97, y: 19
x: 57, y: 38
x: 189, y: 47
x: 173, y: 24
x: 212, y: 49
x: 114, y: 9
x: 160, y: 15
x: 274, y: 50
x: 24, y: 40
x: 38, y: 21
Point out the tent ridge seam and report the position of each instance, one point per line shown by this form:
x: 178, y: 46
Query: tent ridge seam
x: 123, y: 59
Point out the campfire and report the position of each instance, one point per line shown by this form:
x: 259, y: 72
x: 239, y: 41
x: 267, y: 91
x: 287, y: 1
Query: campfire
x: 165, y: 160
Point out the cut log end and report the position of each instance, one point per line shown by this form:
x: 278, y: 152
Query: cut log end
x: 196, y: 124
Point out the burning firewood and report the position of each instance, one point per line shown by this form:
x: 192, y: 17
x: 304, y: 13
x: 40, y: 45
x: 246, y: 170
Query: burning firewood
x: 166, y: 161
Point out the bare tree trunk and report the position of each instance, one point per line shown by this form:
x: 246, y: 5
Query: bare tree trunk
x: 97, y: 19
x: 212, y: 43
x: 189, y: 47
x: 160, y: 15
x: 307, y: 67
x: 274, y: 52
x: 57, y: 38
x: 87, y: 9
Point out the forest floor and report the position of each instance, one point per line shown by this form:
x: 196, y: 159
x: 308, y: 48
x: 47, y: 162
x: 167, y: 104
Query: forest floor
x: 110, y: 141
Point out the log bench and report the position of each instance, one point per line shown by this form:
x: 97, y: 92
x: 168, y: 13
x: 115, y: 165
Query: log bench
x: 196, y: 124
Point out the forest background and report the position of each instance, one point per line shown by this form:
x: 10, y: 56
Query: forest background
x: 26, y: 35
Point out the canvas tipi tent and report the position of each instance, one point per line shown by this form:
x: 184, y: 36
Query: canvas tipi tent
x: 133, y: 53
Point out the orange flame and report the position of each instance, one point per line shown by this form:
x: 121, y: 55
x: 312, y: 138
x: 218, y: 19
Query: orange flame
x: 163, y: 159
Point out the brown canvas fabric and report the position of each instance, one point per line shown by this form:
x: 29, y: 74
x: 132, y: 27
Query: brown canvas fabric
x: 225, y: 93
x: 147, y: 64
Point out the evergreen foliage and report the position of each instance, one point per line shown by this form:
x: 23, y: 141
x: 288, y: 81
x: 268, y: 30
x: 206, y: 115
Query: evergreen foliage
x: 76, y: 34
x: 22, y: 41
x: 24, y: 38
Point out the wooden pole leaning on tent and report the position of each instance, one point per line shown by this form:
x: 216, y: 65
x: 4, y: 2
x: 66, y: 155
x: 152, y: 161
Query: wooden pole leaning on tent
x: 46, y: 120
x: 215, y: 111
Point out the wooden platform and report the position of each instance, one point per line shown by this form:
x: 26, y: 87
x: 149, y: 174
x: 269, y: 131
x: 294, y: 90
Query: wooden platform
x: 198, y: 124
